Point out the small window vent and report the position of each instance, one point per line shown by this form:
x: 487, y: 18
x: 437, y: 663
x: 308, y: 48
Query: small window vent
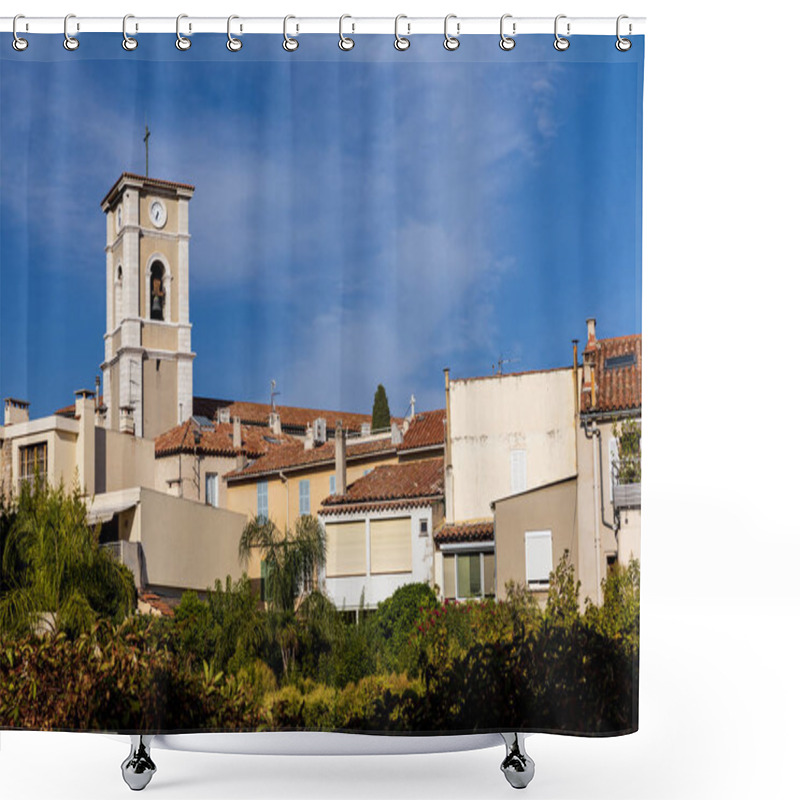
x: 619, y: 362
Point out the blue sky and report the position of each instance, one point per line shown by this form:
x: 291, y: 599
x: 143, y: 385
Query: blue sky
x: 360, y: 217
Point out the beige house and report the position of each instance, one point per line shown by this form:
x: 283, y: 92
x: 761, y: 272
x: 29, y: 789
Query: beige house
x: 595, y: 513
x: 506, y: 434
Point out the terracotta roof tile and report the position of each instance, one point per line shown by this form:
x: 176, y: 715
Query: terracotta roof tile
x: 218, y: 440
x: 425, y: 430
x: 411, y: 481
x: 482, y: 531
x: 291, y: 416
x: 617, y: 388
x: 292, y: 455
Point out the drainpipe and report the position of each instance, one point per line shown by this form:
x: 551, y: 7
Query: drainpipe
x: 575, y: 397
x: 594, y: 434
x: 448, y: 453
x: 286, y: 484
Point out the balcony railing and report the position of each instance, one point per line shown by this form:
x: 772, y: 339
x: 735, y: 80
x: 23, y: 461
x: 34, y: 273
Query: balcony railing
x: 627, y: 482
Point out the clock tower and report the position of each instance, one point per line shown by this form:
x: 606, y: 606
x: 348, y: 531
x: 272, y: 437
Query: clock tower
x: 147, y: 369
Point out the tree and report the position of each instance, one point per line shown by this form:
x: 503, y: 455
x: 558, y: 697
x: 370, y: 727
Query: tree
x: 290, y: 561
x: 381, y: 417
x: 56, y: 577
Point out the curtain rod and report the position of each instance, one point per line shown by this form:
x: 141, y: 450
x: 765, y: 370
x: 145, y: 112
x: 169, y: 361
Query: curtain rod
x: 597, y: 26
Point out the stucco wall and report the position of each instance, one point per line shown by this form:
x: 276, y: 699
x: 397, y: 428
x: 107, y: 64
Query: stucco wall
x: 187, y: 545
x: 122, y: 461
x: 243, y: 497
x: 550, y: 508
x: 491, y: 417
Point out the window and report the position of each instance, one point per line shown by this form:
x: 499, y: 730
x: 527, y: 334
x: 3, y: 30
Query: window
x: 346, y: 549
x: 305, y: 497
x: 33, y: 461
x: 332, y: 484
x: 467, y: 575
x: 519, y: 478
x: 212, y: 483
x: 538, y: 558
x: 262, y: 503
x: 423, y: 527
x: 389, y: 546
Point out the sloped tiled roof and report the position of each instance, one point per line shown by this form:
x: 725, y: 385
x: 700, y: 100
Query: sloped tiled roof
x: 482, y: 531
x: 218, y: 440
x: 291, y: 416
x: 616, y: 388
x: 157, y: 602
x: 392, y: 484
x: 425, y: 430
x: 293, y: 455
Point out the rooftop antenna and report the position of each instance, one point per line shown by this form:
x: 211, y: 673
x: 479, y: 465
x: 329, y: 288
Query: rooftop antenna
x: 146, y: 151
x: 497, y: 369
x: 272, y: 393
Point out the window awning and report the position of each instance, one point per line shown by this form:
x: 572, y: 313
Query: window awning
x: 105, y: 512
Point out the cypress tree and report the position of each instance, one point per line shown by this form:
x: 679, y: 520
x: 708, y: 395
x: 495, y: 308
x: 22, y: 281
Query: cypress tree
x: 381, y: 417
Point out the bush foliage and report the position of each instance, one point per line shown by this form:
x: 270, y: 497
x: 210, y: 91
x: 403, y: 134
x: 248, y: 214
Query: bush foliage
x: 226, y: 663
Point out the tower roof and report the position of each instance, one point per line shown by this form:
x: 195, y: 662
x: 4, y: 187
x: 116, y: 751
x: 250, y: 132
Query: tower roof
x: 144, y: 182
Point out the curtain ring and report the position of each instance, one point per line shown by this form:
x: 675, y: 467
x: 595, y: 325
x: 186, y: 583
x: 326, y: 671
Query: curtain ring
x: 507, y: 42
x: 181, y: 42
x: 560, y: 42
x: 450, y: 42
x: 345, y: 43
x: 19, y: 43
x: 289, y: 43
x: 401, y: 42
x: 233, y: 44
x: 622, y: 44
x: 70, y: 42
x: 128, y: 42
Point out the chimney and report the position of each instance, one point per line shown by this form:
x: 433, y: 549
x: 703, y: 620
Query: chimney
x: 341, y: 460
x: 237, y: 433
x: 308, y: 443
x: 397, y: 435
x: 413, y: 406
x: 100, y: 416
x: 590, y: 356
x: 275, y: 422
x: 126, y: 421
x: 97, y: 402
x: 84, y: 413
x: 16, y: 411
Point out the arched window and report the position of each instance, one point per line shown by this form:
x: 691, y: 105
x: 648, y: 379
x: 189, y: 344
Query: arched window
x: 118, y: 296
x: 157, y: 292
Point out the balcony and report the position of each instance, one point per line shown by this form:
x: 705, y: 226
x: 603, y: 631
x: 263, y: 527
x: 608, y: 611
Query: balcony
x: 626, y: 488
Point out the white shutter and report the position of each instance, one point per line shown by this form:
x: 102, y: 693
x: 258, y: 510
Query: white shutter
x: 519, y: 478
x: 346, y: 549
x: 613, y: 459
x: 538, y: 558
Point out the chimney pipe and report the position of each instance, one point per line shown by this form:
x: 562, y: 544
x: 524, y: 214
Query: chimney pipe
x: 237, y: 433
x: 341, y: 460
x: 308, y: 444
x: 591, y: 331
x: 96, y: 392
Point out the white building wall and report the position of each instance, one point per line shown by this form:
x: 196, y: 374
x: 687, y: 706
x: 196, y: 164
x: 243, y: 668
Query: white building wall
x: 494, y: 416
x: 346, y: 593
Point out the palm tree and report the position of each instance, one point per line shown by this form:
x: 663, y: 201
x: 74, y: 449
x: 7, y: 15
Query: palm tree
x: 290, y: 561
x: 56, y: 577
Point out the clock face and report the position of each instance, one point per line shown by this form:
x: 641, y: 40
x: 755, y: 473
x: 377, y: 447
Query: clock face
x: 119, y: 218
x: 158, y: 213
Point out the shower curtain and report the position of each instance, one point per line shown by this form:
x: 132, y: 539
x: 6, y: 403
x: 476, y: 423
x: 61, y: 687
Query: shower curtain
x: 322, y: 385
